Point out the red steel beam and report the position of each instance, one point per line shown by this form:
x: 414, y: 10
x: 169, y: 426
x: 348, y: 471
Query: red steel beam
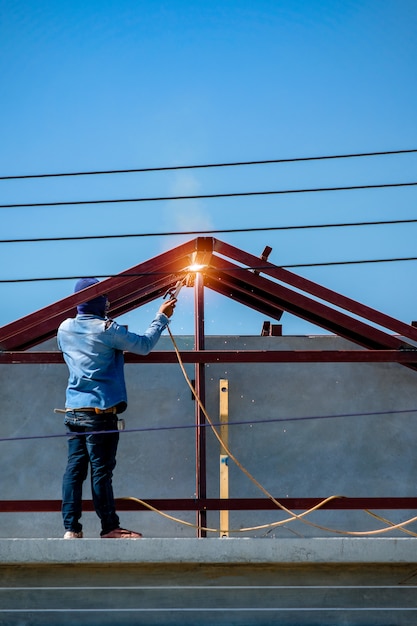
x: 200, y: 388
x: 226, y: 273
x: 155, y: 281
x: 216, y: 504
x: 42, y: 325
x: 316, y: 290
x: 128, y: 290
x: 264, y: 305
x: 234, y: 356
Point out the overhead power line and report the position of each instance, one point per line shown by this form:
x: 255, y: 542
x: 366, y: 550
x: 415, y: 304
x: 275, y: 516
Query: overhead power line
x: 207, y: 232
x: 209, y: 165
x: 254, y: 422
x: 205, y: 196
x: 389, y: 260
x: 258, y: 268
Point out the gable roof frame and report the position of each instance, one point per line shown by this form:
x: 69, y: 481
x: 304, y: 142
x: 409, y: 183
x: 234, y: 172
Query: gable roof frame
x: 236, y: 274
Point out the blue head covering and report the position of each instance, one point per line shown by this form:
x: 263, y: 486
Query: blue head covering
x: 96, y: 306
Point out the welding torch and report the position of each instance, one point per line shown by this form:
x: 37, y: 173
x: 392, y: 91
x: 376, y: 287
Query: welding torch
x: 173, y: 292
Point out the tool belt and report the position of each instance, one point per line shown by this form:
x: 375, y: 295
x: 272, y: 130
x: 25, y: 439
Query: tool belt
x: 90, y: 409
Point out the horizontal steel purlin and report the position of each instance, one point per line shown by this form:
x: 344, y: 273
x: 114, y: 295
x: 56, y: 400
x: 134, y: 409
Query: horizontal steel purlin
x: 234, y: 356
x: 217, y: 504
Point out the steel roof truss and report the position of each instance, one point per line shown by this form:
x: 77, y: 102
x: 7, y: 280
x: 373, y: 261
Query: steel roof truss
x: 312, y: 288
x: 304, y: 307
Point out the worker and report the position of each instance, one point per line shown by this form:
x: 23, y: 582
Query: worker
x: 92, y: 346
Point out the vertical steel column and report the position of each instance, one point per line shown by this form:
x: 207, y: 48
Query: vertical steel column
x: 200, y: 387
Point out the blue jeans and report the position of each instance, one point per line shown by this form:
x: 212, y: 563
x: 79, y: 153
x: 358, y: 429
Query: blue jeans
x: 99, y: 452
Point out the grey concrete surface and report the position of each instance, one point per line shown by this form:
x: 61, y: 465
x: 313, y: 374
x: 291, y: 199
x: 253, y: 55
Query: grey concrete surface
x: 210, y: 551
x: 227, y: 582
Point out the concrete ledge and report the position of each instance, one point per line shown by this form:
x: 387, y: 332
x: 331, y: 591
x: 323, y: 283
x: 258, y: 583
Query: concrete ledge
x: 209, y: 551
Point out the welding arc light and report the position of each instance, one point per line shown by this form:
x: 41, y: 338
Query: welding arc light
x: 196, y: 267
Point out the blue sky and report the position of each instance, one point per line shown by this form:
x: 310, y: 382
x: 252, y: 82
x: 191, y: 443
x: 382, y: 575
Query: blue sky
x: 128, y: 84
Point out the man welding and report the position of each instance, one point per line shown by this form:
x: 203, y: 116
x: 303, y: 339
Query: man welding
x: 93, y: 346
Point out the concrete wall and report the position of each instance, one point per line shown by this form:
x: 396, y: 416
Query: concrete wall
x: 361, y: 455
x: 184, y: 582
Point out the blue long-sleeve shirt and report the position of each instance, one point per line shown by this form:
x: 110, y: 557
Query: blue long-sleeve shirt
x: 93, y: 351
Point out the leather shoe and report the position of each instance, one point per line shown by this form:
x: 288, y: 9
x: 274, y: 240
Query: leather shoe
x: 121, y: 533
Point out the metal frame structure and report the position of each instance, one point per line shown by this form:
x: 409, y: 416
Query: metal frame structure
x: 253, y: 282
x: 230, y: 272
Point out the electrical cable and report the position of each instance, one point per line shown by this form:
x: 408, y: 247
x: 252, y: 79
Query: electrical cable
x: 209, y: 231
x: 209, y: 165
x: 220, y: 530
x: 229, y: 453
x: 205, y: 196
x: 389, y: 523
x: 270, y: 525
x: 389, y: 260
x: 235, y: 423
x: 258, y: 268
x: 293, y: 516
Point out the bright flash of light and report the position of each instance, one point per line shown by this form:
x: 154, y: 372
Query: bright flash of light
x: 196, y: 267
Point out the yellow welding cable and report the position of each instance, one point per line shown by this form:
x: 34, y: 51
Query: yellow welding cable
x: 265, y: 526
x: 293, y: 516
x: 214, y: 530
x: 270, y: 525
x: 391, y: 524
x: 232, y: 456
